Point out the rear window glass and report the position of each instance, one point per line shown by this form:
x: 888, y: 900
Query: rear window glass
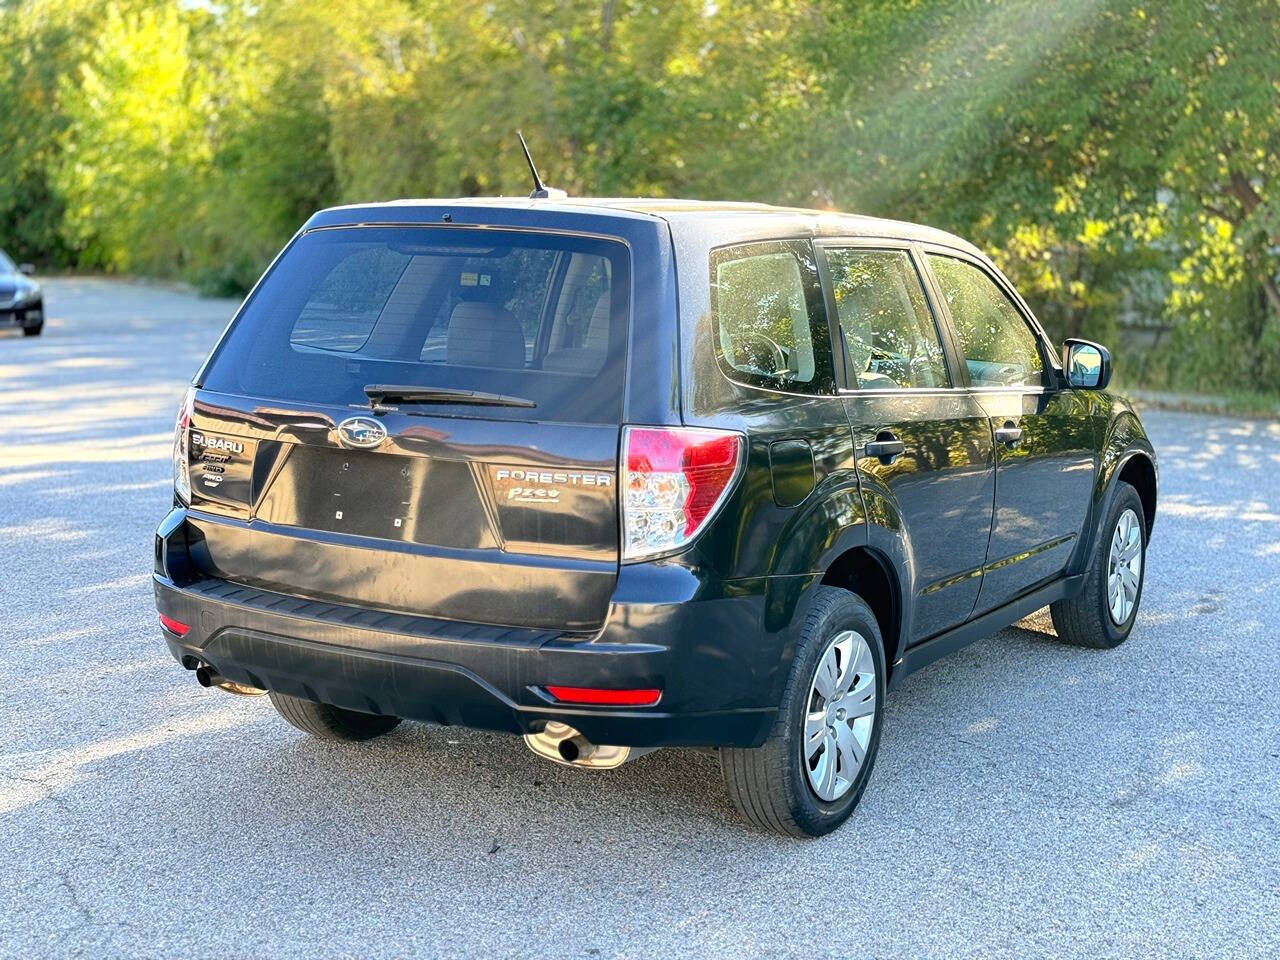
x: 538, y: 316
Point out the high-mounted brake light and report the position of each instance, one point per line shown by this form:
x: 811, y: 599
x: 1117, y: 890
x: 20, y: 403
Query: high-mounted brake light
x: 181, y: 441
x: 176, y: 627
x: 601, y: 697
x: 674, y: 480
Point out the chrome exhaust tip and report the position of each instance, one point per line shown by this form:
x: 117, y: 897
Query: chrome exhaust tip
x: 206, y: 676
x: 562, y: 744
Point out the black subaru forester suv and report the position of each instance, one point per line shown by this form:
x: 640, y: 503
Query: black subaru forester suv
x: 623, y: 474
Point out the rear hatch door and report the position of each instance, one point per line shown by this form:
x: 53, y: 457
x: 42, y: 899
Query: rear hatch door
x: 422, y: 420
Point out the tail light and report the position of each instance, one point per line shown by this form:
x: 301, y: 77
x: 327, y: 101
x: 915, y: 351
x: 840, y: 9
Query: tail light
x: 181, y: 448
x: 674, y: 480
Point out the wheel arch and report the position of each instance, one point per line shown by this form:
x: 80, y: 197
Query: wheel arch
x: 1127, y: 454
x: 868, y: 573
x: 1139, y: 471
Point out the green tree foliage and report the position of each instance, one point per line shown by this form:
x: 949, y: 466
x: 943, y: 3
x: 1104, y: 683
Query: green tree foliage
x: 39, y: 43
x: 1118, y: 158
x: 1114, y: 155
x: 133, y: 151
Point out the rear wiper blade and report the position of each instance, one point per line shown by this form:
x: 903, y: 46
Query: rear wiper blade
x: 383, y: 393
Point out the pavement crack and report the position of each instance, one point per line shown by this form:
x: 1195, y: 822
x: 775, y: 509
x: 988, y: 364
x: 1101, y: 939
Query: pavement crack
x: 61, y: 873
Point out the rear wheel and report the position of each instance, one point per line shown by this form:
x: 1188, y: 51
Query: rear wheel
x: 1103, y: 613
x: 331, y: 723
x: 33, y: 331
x: 807, y: 777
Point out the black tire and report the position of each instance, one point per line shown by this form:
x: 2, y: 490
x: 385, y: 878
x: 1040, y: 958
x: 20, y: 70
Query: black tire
x: 33, y: 331
x: 1085, y: 620
x: 331, y: 723
x: 769, y: 784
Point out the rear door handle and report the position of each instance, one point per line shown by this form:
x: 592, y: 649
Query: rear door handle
x: 885, y: 446
x: 1010, y: 433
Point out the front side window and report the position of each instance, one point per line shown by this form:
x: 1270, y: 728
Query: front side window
x: 890, y: 339
x: 999, y: 348
x: 770, y: 321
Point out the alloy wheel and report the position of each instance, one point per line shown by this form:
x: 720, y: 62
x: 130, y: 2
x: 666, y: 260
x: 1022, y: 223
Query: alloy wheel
x: 840, y: 714
x: 1124, y: 568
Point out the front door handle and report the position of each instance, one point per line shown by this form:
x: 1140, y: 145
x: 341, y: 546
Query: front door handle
x: 885, y: 446
x: 1010, y: 433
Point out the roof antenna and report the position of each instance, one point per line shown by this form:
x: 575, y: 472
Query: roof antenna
x: 540, y: 191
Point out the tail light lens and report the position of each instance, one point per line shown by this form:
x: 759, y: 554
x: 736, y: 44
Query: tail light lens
x: 675, y: 478
x: 181, y: 448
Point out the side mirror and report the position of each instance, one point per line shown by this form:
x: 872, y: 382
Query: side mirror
x: 1087, y: 364
x: 27, y: 268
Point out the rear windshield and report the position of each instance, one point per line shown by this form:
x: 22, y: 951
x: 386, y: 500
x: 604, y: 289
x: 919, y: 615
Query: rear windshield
x: 538, y: 316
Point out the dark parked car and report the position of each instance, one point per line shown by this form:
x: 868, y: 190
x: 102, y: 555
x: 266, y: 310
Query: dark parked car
x: 21, y: 299
x: 618, y: 475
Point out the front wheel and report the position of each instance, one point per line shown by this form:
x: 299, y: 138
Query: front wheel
x: 1103, y: 613
x: 807, y: 777
x: 33, y: 331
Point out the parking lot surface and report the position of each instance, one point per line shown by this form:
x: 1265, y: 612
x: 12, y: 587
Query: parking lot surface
x: 1030, y: 799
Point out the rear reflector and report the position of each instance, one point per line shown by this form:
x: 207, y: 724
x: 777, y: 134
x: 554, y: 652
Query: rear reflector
x: 176, y: 627
x: 615, y: 698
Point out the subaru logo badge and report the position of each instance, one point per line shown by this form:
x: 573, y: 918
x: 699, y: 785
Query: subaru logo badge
x: 361, y: 432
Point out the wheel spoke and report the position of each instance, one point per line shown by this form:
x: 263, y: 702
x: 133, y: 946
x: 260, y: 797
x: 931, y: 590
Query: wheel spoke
x: 861, y: 701
x: 828, y: 673
x: 815, y: 730
x: 1130, y: 581
x: 863, y: 663
x: 851, y: 752
x: 843, y: 647
x: 827, y: 778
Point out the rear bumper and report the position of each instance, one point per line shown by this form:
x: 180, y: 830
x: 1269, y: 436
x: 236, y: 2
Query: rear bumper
x: 703, y: 644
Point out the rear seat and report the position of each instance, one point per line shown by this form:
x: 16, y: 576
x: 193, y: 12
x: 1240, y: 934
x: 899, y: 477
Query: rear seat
x: 588, y: 358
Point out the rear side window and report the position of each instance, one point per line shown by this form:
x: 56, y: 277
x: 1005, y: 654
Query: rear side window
x: 538, y: 316
x: 890, y: 339
x: 999, y: 348
x: 770, y: 322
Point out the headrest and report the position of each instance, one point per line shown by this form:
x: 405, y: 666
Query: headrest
x: 483, y: 334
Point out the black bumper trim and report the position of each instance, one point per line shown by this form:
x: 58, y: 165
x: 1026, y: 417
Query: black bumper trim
x: 435, y: 671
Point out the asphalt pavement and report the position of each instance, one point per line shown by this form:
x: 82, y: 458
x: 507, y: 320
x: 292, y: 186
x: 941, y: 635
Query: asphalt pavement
x: 1030, y: 799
